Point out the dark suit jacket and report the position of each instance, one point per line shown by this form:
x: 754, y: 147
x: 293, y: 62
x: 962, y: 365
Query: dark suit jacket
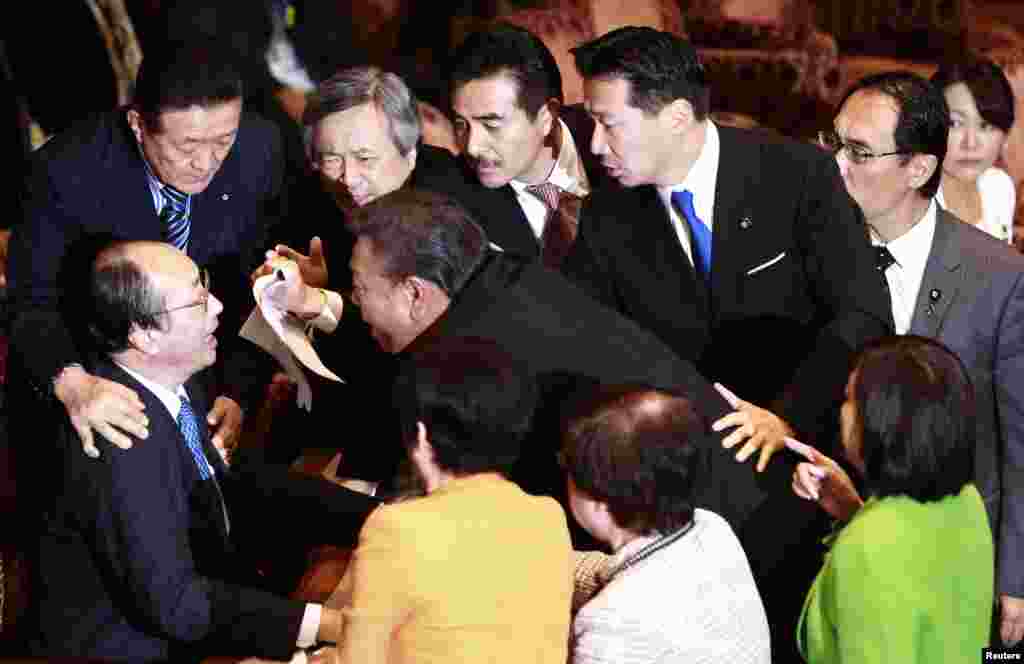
x: 972, y: 300
x: 793, y: 291
x: 134, y: 557
x: 498, y: 210
x: 91, y: 181
x: 568, y: 340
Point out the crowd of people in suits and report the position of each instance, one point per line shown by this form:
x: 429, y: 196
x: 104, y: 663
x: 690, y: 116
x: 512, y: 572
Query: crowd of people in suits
x: 613, y: 372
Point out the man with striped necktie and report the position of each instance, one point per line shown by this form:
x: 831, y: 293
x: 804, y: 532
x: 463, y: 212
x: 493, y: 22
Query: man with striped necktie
x: 141, y: 556
x: 182, y: 164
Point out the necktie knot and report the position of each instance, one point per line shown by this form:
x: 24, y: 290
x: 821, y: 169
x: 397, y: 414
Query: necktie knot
x: 883, y: 258
x: 175, y: 217
x: 547, y: 193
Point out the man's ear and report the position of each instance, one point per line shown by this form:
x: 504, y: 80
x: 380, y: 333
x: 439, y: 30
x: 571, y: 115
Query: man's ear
x: 546, y: 116
x: 146, y: 341
x: 678, y: 115
x: 418, y: 291
x: 921, y: 167
x: 135, y: 123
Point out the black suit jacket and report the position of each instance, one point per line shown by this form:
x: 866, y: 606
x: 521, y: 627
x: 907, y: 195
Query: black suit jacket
x: 90, y: 181
x: 793, y: 290
x: 498, y: 210
x: 134, y: 559
x: 570, y: 341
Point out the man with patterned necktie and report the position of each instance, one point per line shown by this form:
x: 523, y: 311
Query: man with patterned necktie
x: 139, y: 557
x: 183, y: 164
x: 527, y: 150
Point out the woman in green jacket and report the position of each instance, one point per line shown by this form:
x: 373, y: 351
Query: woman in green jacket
x: 909, y: 577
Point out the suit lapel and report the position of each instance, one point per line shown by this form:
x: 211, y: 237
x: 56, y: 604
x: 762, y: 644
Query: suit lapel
x: 941, y: 283
x: 734, y: 227
x: 648, y: 206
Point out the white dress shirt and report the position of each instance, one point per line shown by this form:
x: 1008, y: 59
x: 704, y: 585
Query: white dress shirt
x: 171, y: 399
x: 701, y: 181
x: 567, y: 174
x: 904, y: 276
x: 998, y: 203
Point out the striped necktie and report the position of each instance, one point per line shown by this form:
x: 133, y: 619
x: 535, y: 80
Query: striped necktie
x: 189, y: 427
x: 561, y: 223
x: 174, y: 215
x: 190, y: 431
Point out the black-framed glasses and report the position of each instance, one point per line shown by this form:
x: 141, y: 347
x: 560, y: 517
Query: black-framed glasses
x: 204, y: 281
x: 858, y: 154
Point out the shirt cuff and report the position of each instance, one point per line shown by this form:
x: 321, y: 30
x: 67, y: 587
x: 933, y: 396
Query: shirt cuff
x: 310, y: 626
x: 326, y: 321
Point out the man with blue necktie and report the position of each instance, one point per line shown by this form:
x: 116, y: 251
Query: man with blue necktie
x: 182, y: 164
x: 139, y: 556
x: 741, y: 251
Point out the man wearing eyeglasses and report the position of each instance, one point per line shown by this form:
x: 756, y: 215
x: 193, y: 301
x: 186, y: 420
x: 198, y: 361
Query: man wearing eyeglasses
x: 184, y: 164
x: 140, y: 555
x: 949, y: 281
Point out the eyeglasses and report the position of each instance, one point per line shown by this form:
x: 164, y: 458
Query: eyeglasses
x: 858, y: 154
x: 204, y: 281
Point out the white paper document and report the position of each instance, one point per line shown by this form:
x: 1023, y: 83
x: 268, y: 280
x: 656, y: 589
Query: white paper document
x: 284, y: 337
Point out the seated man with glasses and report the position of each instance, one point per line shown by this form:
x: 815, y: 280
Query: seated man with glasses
x: 138, y: 555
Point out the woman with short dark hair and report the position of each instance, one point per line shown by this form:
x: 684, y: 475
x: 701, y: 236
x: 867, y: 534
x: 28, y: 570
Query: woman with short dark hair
x: 909, y: 577
x: 981, y: 110
x: 678, y: 587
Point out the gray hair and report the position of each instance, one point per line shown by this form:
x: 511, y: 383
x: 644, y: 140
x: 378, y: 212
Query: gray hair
x: 362, y: 85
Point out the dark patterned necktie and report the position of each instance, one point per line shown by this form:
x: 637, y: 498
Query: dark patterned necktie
x: 699, y: 231
x: 174, y: 215
x: 883, y: 258
x: 560, y: 224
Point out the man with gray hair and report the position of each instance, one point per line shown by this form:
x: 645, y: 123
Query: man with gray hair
x: 362, y: 134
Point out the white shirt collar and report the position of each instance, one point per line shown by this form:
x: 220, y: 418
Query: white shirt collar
x: 170, y: 399
x: 567, y: 172
x: 702, y: 178
x: 912, y: 248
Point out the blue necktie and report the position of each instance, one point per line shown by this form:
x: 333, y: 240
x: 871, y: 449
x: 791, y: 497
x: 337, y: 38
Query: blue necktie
x: 190, y: 430
x: 700, y: 234
x: 175, y: 217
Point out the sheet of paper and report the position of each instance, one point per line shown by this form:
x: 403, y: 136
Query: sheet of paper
x: 284, y: 337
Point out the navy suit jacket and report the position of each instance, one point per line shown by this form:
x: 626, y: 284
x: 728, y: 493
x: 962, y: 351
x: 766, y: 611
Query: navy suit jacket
x: 794, y: 291
x: 90, y: 182
x: 972, y: 300
x: 134, y: 558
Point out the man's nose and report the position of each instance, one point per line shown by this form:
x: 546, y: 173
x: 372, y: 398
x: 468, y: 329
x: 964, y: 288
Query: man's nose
x: 474, y: 141
x: 597, y: 143
x: 843, y: 161
x: 204, y: 160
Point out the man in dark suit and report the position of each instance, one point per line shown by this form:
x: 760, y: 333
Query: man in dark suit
x: 362, y: 134
x: 136, y: 558
x: 184, y: 164
x: 528, y: 151
x: 949, y: 281
x: 423, y: 270
x: 740, y: 251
